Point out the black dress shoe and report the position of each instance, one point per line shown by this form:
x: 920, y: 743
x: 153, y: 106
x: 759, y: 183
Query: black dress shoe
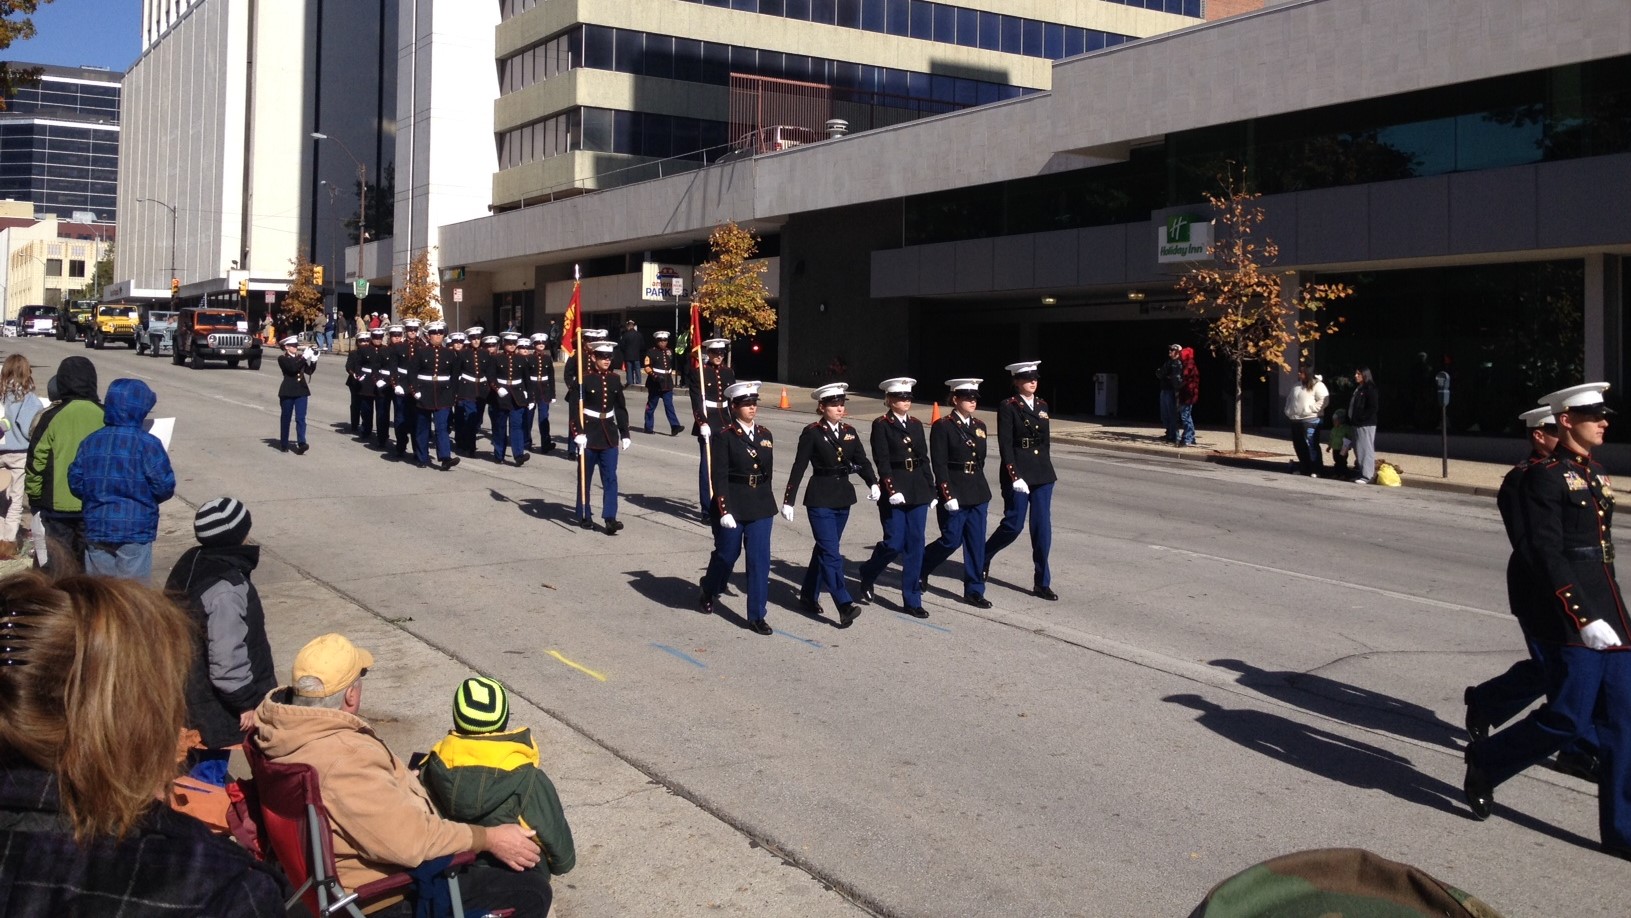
x: 548, y: 448
x: 300, y: 449
x: 586, y: 523
x: 674, y: 431
x: 612, y: 526
x: 1580, y: 765
x: 760, y: 626
x: 705, y: 601
x: 647, y: 430
x: 423, y: 465
x: 865, y: 596
x: 1045, y: 593
x: 1479, y: 792
x: 283, y: 447
x: 1477, y: 724
x: 847, y: 614
x: 401, y: 450
x: 923, y: 584
x: 978, y: 602
x: 810, y: 605
x: 522, y: 459
x: 916, y: 611
x: 449, y: 462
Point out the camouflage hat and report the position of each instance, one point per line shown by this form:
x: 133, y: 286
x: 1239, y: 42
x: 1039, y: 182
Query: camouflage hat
x: 1337, y: 883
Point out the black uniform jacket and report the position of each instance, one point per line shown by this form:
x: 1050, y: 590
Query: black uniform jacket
x: 1568, y: 516
x: 1526, y: 596
x: 831, y: 458
x: 383, y: 377
x: 659, y: 365
x: 958, y: 453
x: 708, y: 404
x: 741, y: 466
x: 402, y: 361
x: 1022, y: 442
x: 295, y: 370
x: 605, y: 413
x: 542, y: 377
x: 359, y: 370
x: 471, y: 383
x: 508, y: 371
x: 434, y: 380
x: 902, y: 452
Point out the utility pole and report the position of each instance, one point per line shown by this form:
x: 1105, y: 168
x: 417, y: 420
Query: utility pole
x: 362, y: 202
x: 171, y: 208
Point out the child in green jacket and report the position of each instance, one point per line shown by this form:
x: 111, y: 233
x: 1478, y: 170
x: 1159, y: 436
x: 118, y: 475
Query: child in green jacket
x: 484, y: 773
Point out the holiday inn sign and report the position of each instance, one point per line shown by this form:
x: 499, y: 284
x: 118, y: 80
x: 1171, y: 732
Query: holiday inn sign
x: 1185, y: 237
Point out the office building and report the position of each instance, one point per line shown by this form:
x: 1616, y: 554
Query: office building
x: 59, y: 142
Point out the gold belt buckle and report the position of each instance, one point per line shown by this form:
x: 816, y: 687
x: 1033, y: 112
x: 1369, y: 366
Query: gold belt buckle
x: 911, y: 465
x: 753, y: 481
x: 1608, y: 552
x: 970, y: 468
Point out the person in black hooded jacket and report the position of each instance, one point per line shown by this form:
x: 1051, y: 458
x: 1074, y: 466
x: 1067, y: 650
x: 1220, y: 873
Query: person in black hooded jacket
x: 232, y: 668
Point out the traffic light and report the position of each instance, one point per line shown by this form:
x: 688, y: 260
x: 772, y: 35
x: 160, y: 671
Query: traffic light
x: 317, y: 275
x: 175, y: 287
x: 243, y: 289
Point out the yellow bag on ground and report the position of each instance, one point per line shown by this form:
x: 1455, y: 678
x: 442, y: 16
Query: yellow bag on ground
x: 1387, y: 475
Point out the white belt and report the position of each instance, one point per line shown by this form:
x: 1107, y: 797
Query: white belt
x: 511, y: 382
x: 468, y: 378
x: 708, y: 404
x: 436, y: 378
x: 655, y: 370
x: 363, y: 371
x: 597, y: 414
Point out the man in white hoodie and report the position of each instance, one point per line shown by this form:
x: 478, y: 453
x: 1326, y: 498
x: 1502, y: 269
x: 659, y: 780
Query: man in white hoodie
x: 1305, y: 403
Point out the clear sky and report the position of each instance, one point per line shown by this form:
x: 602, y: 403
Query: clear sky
x: 104, y: 33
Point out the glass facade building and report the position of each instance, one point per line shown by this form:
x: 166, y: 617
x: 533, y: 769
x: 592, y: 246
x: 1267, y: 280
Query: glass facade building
x: 59, y: 143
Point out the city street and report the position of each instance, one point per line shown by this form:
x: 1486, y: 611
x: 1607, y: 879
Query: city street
x: 1242, y: 664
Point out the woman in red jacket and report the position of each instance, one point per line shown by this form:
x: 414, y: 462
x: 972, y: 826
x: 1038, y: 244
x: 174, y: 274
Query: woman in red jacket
x: 1188, y: 394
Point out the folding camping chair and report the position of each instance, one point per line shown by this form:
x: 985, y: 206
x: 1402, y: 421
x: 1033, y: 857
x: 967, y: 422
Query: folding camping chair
x: 295, y: 828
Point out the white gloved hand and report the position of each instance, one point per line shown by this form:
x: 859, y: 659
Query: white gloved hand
x: 727, y: 522
x: 787, y: 512
x: 952, y: 506
x: 1598, y: 635
x: 897, y: 499
x: 379, y: 384
x: 625, y: 443
x: 310, y: 355
x: 934, y: 503
x: 706, y: 431
x: 552, y: 401
x: 503, y: 392
x: 399, y: 390
x: 873, y: 493
x: 1021, y: 487
x: 418, y: 396
x: 581, y: 440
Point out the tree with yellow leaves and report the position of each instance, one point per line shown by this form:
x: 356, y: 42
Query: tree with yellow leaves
x: 731, y: 291
x: 302, y: 306
x: 419, y: 297
x: 1252, y: 317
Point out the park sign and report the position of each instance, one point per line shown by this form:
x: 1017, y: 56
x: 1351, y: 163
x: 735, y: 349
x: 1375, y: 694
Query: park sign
x: 1185, y: 237
x: 360, y: 287
x: 661, y: 282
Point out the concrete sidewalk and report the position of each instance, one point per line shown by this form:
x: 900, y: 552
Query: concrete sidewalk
x: 642, y: 850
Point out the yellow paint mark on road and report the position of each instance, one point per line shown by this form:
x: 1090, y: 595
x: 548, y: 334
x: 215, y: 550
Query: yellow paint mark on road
x: 577, y: 666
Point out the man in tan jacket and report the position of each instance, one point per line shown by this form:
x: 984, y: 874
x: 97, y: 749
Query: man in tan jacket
x: 382, y: 818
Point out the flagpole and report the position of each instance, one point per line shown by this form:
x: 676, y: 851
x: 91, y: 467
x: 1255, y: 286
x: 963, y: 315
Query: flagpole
x: 583, y: 451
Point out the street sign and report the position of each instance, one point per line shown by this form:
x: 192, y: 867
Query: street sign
x: 458, y: 294
x: 271, y: 297
x: 361, y: 287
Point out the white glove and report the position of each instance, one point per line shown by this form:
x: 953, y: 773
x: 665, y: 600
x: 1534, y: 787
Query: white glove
x: 787, y: 512
x: 503, y: 392
x: 706, y: 431
x: 1598, y: 635
x: 581, y: 440
x: 952, y: 506
x: 418, y: 395
x: 552, y: 401
x: 1021, y: 487
x: 934, y: 503
x: 897, y: 499
x: 379, y: 384
x: 727, y: 522
x: 399, y: 390
x: 625, y: 443
x: 873, y: 493
x: 310, y: 355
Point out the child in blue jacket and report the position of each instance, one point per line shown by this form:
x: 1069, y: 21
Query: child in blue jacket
x: 122, y: 474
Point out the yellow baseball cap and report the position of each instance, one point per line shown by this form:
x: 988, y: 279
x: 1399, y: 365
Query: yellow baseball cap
x: 334, y: 660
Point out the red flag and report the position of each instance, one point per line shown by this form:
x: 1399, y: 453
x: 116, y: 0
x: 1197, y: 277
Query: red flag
x: 574, y: 320
x: 696, y: 334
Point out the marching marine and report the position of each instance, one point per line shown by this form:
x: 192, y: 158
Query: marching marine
x: 832, y: 451
x: 543, y: 390
x: 957, y: 447
x: 660, y: 363
x: 1027, y: 476
x: 507, y: 380
x: 359, y: 378
x: 435, y: 387
x: 901, y: 450
x: 710, y: 408
x: 604, y: 432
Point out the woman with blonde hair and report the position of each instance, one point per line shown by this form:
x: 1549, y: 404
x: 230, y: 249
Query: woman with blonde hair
x: 20, y: 406
x: 92, y: 677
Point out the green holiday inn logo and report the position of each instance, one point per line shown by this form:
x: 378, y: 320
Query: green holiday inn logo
x: 1184, y: 238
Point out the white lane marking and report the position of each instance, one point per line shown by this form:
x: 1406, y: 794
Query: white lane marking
x: 233, y: 401
x: 1298, y: 575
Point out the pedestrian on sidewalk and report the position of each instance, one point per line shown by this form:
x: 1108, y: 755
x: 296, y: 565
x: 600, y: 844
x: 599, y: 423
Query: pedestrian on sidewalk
x: 1362, y: 413
x: 1305, y: 404
x: 1341, y: 442
x: 1188, y: 394
x: 293, y: 393
x: 20, y: 406
x: 75, y: 414
x: 1170, y: 377
x: 232, y: 665
x: 1027, y: 476
x: 632, y: 346
x: 122, y: 474
x: 957, y: 447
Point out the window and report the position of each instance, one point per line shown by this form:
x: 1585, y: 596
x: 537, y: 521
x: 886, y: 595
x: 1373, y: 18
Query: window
x: 53, y: 267
x: 945, y: 24
x: 597, y: 47
x: 76, y: 268
x: 968, y: 28
x: 872, y: 15
x: 898, y: 17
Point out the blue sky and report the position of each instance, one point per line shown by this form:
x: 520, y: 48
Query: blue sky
x: 105, y: 33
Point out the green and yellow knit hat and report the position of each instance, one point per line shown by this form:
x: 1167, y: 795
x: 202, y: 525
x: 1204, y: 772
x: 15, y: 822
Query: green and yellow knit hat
x: 480, y: 705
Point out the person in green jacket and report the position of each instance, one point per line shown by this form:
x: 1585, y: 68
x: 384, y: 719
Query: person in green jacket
x: 487, y: 774
x: 75, y: 414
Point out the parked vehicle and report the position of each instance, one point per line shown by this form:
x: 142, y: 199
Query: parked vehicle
x: 158, y: 333
x: 37, y: 320
x: 9, y: 330
x: 205, y: 333
x: 113, y: 323
x: 75, y: 319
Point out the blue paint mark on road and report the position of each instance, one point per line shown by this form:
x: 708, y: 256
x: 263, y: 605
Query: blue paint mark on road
x: 799, y: 639
x: 682, y: 655
x: 919, y: 621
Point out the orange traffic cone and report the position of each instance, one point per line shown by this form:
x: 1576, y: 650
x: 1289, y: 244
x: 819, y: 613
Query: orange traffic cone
x: 784, y: 404
x: 936, y: 416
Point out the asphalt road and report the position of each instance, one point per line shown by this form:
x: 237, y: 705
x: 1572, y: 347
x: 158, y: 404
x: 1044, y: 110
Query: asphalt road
x: 1241, y: 665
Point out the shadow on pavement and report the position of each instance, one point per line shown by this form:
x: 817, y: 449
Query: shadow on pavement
x: 667, y: 506
x: 538, y: 508
x: 786, y: 580
x: 680, y: 594
x: 1347, y: 703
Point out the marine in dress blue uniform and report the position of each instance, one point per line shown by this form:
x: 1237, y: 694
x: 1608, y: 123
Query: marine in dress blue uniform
x: 297, y: 366
x: 543, y: 391
x: 1027, y: 476
x: 434, y: 386
x: 709, y: 409
x: 407, y: 418
x: 832, y: 451
x: 527, y: 348
x: 605, y: 432
x: 359, y: 378
x: 957, y: 448
x: 569, y: 375
x: 742, y: 457
x: 659, y: 364
x: 507, y: 383
x: 383, y: 361
x: 468, y: 391
x: 1567, y: 503
x: 901, y: 448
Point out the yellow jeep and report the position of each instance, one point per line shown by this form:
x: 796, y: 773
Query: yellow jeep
x: 113, y: 323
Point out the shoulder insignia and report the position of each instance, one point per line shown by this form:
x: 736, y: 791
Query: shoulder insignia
x: 849, y: 434
x: 979, y: 432
x: 1574, y: 481
x: 1043, y: 414
x: 765, y: 443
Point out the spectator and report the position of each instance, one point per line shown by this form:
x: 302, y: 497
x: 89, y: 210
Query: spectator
x: 374, y: 321
x: 383, y: 820
x: 232, y: 668
x: 58, y: 432
x: 554, y: 332
x: 325, y: 336
x: 1341, y: 442
x: 359, y: 325
x: 1362, y: 410
x: 268, y: 330
x: 1188, y: 394
x: 20, y: 406
x: 1170, y: 376
x: 122, y: 474
x: 488, y: 774
x: 91, y: 707
x: 632, y: 345
x: 1305, y: 404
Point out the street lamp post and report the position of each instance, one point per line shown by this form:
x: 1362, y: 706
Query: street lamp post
x: 362, y: 202
x: 171, y: 208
